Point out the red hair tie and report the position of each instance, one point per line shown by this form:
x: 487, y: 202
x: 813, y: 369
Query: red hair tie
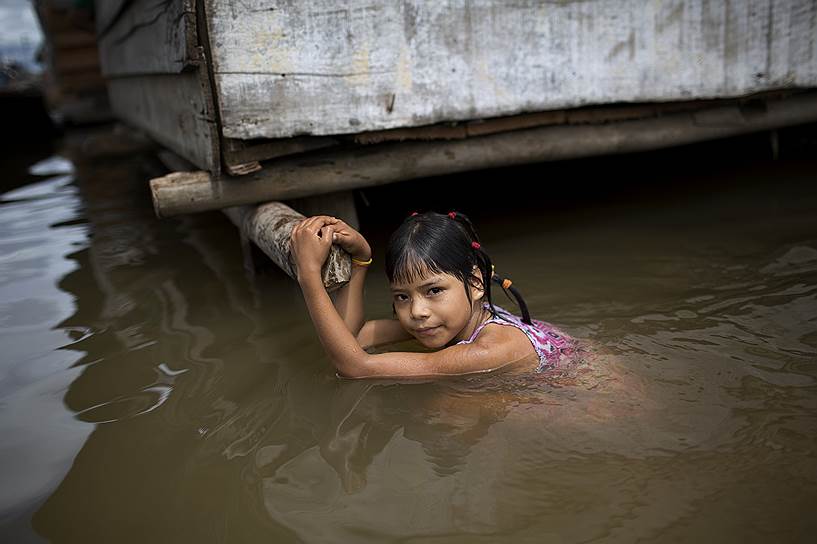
x: 475, y: 245
x: 452, y: 215
x: 413, y: 214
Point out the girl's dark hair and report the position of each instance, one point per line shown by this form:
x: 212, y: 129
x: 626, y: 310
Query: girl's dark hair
x: 433, y: 243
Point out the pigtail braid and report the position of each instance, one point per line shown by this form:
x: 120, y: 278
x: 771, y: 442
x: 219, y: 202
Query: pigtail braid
x: 507, y: 286
x: 482, y: 260
x: 487, y: 269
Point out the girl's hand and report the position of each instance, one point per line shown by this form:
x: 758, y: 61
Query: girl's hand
x: 352, y: 241
x: 310, y: 242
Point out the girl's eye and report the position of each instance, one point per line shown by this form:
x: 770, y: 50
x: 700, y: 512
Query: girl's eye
x: 435, y: 290
x: 400, y: 298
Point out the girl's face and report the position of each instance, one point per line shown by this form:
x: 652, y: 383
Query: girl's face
x: 435, y: 309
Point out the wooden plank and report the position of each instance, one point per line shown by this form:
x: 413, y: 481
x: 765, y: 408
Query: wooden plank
x: 320, y: 68
x: 596, y: 114
x: 240, y: 152
x: 172, y: 109
x: 347, y: 169
x: 149, y: 37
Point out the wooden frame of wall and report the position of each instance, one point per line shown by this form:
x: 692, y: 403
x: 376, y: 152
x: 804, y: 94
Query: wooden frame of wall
x: 154, y: 58
x: 208, y: 79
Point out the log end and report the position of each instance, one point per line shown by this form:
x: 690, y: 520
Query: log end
x: 172, y: 193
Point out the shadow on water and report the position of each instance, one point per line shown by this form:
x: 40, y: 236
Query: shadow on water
x: 206, y: 411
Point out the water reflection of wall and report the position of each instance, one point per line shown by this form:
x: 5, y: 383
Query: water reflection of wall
x: 42, y: 239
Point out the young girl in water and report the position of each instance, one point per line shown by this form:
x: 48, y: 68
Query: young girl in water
x: 440, y: 280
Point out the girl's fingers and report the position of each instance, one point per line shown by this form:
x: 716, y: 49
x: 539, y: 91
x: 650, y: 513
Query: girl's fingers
x: 301, y: 224
x: 322, y: 226
x: 315, y: 223
x: 307, y: 223
x: 327, y: 235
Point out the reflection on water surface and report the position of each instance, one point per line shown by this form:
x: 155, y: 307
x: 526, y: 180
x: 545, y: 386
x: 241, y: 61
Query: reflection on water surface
x: 151, y: 390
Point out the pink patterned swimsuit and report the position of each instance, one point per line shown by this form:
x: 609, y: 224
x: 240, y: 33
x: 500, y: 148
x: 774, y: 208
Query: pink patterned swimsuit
x: 551, y: 345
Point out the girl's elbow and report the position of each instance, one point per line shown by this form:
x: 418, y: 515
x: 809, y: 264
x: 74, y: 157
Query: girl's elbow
x: 354, y: 373
x: 362, y: 340
x: 350, y: 374
x: 364, y: 336
x: 352, y: 368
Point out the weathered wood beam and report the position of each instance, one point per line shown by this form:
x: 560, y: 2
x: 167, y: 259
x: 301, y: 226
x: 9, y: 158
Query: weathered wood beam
x: 580, y: 116
x: 157, y: 75
x: 269, y: 226
x: 240, y: 151
x: 174, y: 109
x: 353, y: 168
x: 256, y: 220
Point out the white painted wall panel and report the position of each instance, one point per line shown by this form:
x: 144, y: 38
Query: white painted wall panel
x: 285, y: 68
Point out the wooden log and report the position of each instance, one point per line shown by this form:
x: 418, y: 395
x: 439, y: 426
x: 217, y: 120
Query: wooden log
x: 269, y: 226
x: 376, y: 165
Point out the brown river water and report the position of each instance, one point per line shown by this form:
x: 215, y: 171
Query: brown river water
x: 151, y: 390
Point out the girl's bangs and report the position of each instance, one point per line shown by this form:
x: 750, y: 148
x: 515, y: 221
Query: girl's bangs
x: 410, y: 267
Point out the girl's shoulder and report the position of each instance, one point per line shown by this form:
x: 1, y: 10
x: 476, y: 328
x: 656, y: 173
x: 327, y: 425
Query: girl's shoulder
x: 551, y: 345
x: 511, y: 341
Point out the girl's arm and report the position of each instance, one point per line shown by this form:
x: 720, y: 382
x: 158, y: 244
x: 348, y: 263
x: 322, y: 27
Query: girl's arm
x: 349, y: 305
x: 349, y: 298
x: 382, y: 331
x: 495, y: 347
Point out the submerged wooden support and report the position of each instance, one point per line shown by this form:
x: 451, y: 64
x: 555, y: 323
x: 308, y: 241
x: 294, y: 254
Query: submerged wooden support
x: 361, y: 167
x: 269, y: 226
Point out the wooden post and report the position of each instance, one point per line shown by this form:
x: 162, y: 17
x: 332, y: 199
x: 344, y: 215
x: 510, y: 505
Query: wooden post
x: 269, y: 226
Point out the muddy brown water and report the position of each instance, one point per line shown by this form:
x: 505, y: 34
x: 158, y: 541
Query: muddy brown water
x: 152, y: 391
